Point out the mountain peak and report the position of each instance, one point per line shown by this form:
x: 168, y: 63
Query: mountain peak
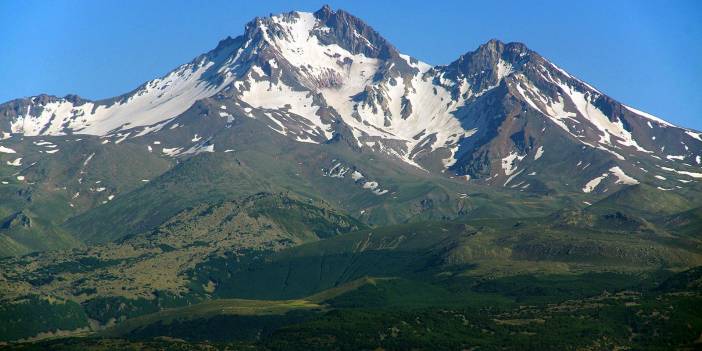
x: 497, y: 45
x: 491, y: 54
x: 224, y: 43
x: 327, y: 26
x: 353, y: 34
x: 323, y: 12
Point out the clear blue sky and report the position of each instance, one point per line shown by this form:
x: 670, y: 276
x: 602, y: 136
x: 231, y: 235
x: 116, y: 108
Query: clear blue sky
x: 647, y: 54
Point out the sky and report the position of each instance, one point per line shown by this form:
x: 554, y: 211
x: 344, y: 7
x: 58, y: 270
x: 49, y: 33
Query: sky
x: 646, y: 54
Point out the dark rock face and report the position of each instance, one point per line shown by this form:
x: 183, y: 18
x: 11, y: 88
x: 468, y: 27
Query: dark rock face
x: 15, y: 220
x: 353, y: 34
x: 481, y: 67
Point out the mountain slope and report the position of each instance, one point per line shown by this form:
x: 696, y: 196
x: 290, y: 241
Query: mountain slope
x: 406, y: 136
x: 492, y: 115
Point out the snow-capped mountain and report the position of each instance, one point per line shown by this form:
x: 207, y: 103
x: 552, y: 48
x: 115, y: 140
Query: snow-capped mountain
x: 309, y: 160
x: 500, y: 115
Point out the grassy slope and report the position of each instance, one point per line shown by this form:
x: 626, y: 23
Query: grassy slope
x: 645, y: 201
x: 238, y: 307
x: 476, y: 248
x: 61, y: 185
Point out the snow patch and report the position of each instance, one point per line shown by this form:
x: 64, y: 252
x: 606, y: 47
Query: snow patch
x: 622, y: 178
x: 154, y: 102
x: 509, y: 162
x: 648, y: 115
x: 370, y: 185
x: 17, y: 162
x: 171, y: 151
x: 690, y: 174
x: 356, y: 175
x: 7, y: 150
x: 539, y: 153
